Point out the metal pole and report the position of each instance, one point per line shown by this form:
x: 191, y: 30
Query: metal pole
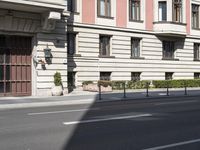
x: 167, y: 89
x: 147, y: 85
x: 100, y: 92
x: 124, y: 84
x: 185, y: 88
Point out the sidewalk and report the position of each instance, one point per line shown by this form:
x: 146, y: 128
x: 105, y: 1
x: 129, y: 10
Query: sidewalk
x: 84, y: 97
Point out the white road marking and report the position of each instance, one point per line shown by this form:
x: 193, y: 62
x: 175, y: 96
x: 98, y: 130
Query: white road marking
x: 174, y: 145
x: 65, y: 111
x: 162, y: 94
x: 106, y: 119
x: 181, y: 102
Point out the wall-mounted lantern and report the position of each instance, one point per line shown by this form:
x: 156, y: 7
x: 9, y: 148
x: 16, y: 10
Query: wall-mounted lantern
x: 47, y: 55
x: 47, y: 52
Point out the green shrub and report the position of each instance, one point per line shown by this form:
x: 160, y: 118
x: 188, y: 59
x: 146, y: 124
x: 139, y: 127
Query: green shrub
x: 118, y: 85
x: 193, y: 83
x: 87, y: 82
x: 57, y: 79
x: 176, y: 83
x: 138, y: 84
x: 162, y: 83
x: 104, y: 83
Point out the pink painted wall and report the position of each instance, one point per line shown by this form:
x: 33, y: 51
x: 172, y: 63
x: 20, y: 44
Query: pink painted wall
x: 149, y: 14
x: 188, y: 16
x: 88, y: 11
x: 121, y: 16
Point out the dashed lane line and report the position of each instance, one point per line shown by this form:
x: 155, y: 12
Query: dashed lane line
x: 106, y: 119
x: 173, y: 145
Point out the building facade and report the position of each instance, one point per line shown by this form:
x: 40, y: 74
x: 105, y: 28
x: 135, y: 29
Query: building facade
x: 133, y: 40
x: 89, y: 40
x: 28, y: 29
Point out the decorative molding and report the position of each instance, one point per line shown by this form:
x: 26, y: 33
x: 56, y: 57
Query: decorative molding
x: 49, y: 20
x: 12, y: 23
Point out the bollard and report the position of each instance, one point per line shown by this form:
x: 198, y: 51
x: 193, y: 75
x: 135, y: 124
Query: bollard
x: 167, y: 89
x: 124, y: 85
x: 100, y: 92
x: 147, y: 86
x: 185, y: 89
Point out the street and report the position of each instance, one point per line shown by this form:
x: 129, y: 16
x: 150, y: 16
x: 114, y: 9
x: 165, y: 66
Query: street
x: 156, y: 124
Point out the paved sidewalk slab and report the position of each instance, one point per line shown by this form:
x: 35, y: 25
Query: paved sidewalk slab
x: 91, y: 97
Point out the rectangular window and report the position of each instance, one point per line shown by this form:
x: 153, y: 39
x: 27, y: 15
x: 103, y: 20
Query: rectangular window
x: 162, y: 11
x: 134, y: 9
x: 169, y: 75
x: 104, y: 8
x: 196, y: 75
x: 195, y: 16
x: 196, y: 51
x: 135, y: 47
x: 71, y: 43
x: 105, y: 76
x: 168, y: 49
x: 72, y: 5
x: 135, y: 76
x: 104, y: 45
x: 177, y: 10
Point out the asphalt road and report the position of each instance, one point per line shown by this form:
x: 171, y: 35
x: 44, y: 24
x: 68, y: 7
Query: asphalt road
x: 160, y: 124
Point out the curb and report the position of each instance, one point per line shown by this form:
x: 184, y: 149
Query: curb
x: 85, y: 101
x: 44, y: 104
x: 146, y: 98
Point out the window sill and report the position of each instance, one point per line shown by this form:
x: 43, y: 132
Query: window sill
x: 179, y: 23
x: 105, y: 17
x: 169, y: 22
x: 138, y: 21
x: 172, y: 59
x: 74, y: 55
x: 100, y: 56
x: 195, y: 28
x: 137, y: 58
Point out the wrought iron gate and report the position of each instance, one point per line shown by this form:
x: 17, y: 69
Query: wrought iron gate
x: 15, y: 65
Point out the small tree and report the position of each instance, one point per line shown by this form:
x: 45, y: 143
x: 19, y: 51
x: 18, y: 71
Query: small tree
x: 57, y: 79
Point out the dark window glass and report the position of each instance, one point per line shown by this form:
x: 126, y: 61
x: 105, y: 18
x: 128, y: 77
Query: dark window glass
x: 71, y: 46
x: 135, y: 47
x: 1, y: 58
x: 196, y: 51
x: 1, y: 72
x: 104, y: 45
x: 134, y: 9
x: 162, y: 10
x: 177, y: 10
x: 105, y: 76
x: 169, y: 75
x: 168, y: 49
x: 1, y: 55
x: 1, y: 87
x: 7, y: 72
x: 195, y: 16
x: 7, y: 56
x: 104, y: 7
x: 196, y: 75
x: 135, y: 76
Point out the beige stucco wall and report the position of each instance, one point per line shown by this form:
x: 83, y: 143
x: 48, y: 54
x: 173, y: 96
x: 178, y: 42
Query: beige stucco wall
x: 14, y: 22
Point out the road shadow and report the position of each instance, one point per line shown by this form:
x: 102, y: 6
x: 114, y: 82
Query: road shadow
x: 115, y: 135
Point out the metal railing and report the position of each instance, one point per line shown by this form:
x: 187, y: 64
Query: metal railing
x: 146, y: 91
